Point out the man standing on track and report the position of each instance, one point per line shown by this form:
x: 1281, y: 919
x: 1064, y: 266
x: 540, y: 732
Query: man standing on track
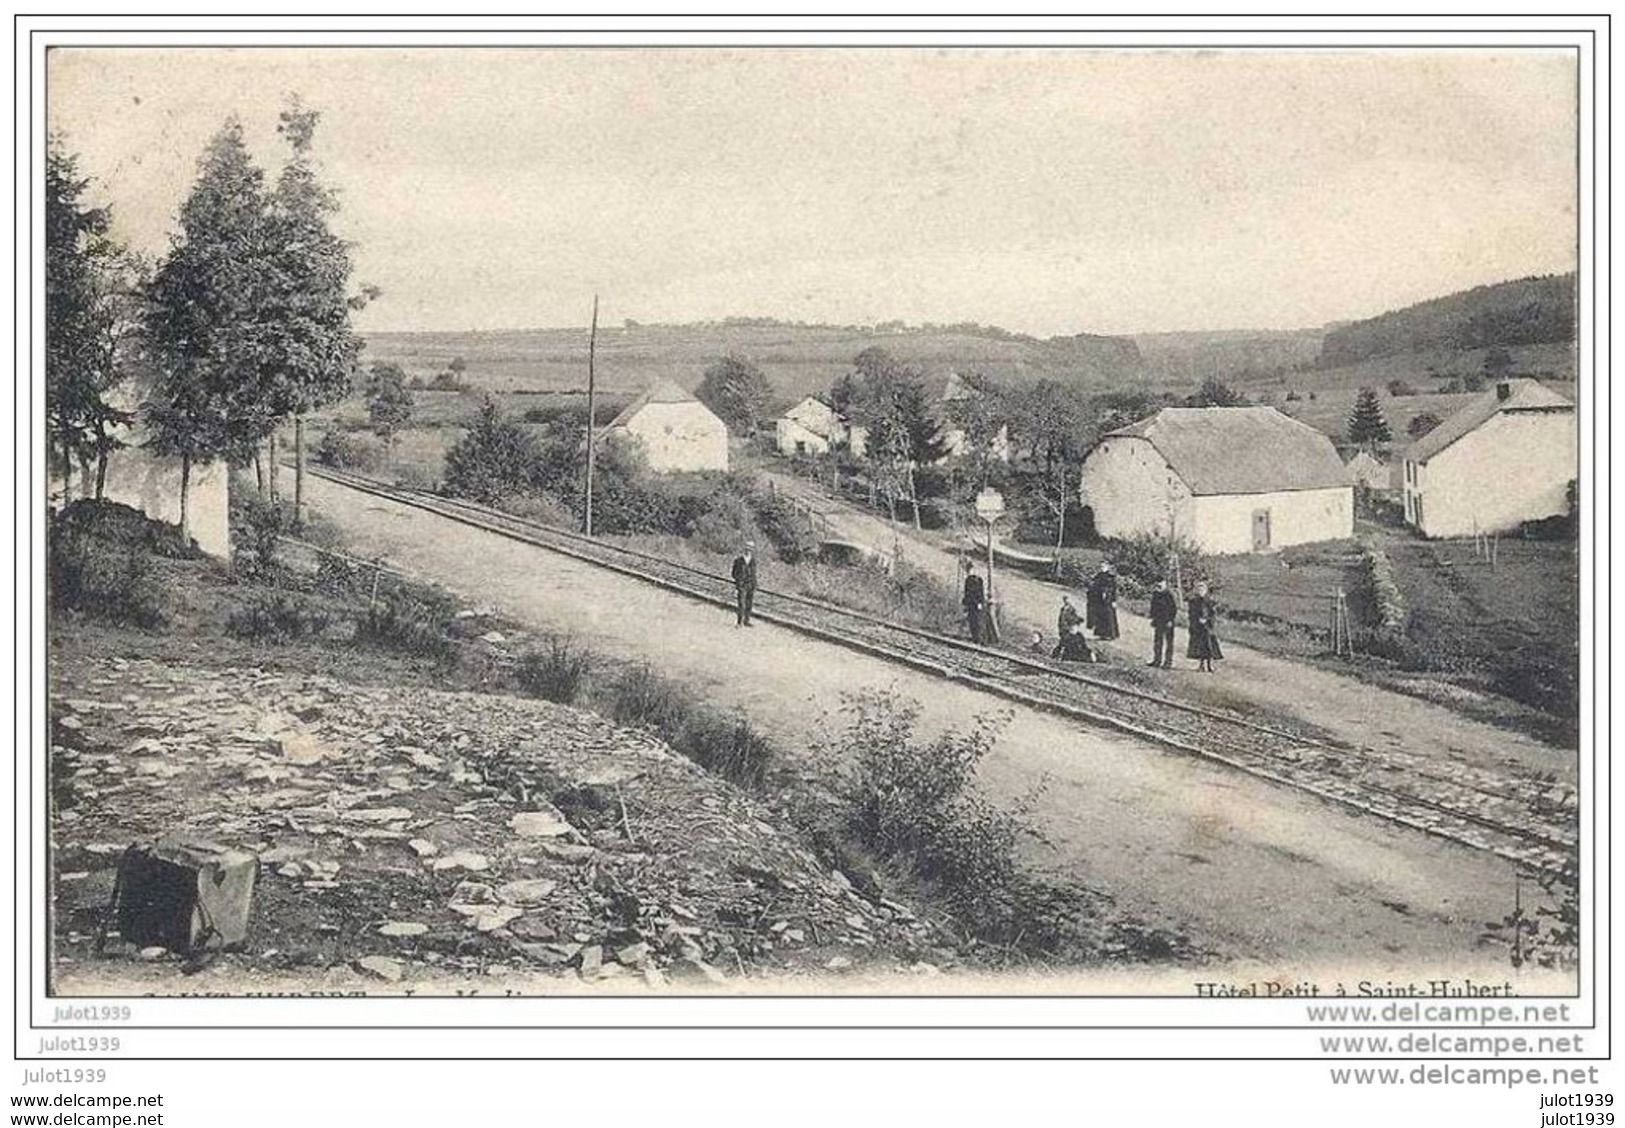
x: 974, y: 602
x: 1163, y: 614
x: 744, y: 573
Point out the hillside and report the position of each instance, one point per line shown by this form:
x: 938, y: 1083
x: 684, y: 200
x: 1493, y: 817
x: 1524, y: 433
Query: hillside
x: 1527, y: 311
x: 797, y: 359
x: 1190, y: 358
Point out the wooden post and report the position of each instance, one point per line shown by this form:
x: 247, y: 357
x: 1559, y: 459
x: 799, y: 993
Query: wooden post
x: 274, y: 467
x: 592, y: 402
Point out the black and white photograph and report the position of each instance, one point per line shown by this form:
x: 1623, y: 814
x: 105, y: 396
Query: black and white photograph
x: 812, y: 521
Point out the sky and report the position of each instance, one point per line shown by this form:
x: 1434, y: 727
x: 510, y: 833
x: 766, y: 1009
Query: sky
x: 1045, y: 191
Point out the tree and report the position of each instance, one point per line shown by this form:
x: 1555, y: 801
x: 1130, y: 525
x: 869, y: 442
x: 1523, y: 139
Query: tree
x: 737, y: 392
x: 204, y: 318
x: 494, y: 460
x: 1213, y: 393
x: 1053, y: 427
x: 390, y: 407
x: 306, y: 320
x: 888, y: 399
x: 1497, y: 364
x: 91, y: 302
x: 1366, y: 422
x: 1421, y: 424
x: 984, y: 416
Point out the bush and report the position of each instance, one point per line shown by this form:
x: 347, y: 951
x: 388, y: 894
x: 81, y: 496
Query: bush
x: 556, y: 673
x: 495, y: 459
x: 1144, y: 559
x: 911, y: 800
x: 641, y: 698
x: 1392, y: 615
x: 412, y: 619
x: 349, y: 450
x: 257, y: 526
x: 725, y: 745
x: 725, y: 523
x: 105, y: 577
x: 783, y: 524
x: 278, y: 617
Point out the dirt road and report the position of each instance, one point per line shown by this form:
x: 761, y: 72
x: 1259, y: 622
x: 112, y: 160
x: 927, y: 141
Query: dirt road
x: 1354, y: 711
x: 1253, y: 871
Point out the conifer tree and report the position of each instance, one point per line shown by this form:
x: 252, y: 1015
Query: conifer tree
x: 1366, y: 422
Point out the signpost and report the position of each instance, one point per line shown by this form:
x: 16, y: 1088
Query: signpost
x: 990, y: 507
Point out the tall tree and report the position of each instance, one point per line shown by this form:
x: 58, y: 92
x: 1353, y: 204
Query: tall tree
x: 1215, y: 393
x: 737, y: 392
x: 204, y: 319
x: 91, y: 285
x: 1053, y: 427
x: 307, y: 332
x: 888, y: 399
x: 390, y: 405
x: 1366, y: 421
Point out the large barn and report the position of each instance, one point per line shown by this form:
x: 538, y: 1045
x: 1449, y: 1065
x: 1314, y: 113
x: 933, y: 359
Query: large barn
x: 677, y: 432
x: 1231, y: 479
x: 1503, y: 459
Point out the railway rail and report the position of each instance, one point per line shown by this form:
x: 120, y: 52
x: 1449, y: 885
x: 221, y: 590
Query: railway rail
x: 1511, y: 817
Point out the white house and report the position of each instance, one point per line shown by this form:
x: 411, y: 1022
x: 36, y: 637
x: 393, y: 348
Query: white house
x: 1369, y: 471
x: 676, y: 431
x: 152, y: 485
x: 1231, y: 479
x: 956, y: 390
x: 1505, y: 458
x: 810, y: 427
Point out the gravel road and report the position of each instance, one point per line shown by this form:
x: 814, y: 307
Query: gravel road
x: 1269, y: 878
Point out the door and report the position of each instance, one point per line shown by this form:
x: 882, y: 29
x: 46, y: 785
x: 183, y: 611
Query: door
x: 1261, y: 529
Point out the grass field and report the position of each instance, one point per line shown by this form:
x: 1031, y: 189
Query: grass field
x: 796, y: 360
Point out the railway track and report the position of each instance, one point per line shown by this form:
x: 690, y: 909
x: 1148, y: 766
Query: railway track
x: 1507, y: 816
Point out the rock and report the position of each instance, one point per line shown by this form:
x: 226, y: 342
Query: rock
x: 652, y: 977
x: 423, y: 848
x: 377, y: 814
x: 570, y: 854
x: 382, y: 967
x: 154, y: 953
x: 492, y: 917
x: 591, y: 960
x: 694, y: 968
x: 298, y: 748
x: 403, y: 928
x: 795, y: 936
x: 528, y: 893
x: 474, y: 893
x: 633, y: 954
x: 279, y: 854
x: 495, y: 638
x: 291, y: 869
x: 540, y: 824
x: 544, y: 954
x: 838, y: 963
x: 428, y: 761
x: 463, y: 859
x: 532, y: 927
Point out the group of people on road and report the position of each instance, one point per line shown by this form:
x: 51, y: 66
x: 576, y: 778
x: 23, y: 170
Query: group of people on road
x: 1099, y: 618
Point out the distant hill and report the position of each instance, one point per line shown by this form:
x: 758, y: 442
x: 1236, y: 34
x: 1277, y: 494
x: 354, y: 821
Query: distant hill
x: 1191, y: 357
x: 796, y: 358
x: 1528, y: 311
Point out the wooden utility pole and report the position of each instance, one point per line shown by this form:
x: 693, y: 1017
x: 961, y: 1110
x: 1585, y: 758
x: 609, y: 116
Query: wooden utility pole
x: 592, y: 404
x: 298, y: 471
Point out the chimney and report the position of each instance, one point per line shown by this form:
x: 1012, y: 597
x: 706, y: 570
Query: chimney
x: 1503, y: 391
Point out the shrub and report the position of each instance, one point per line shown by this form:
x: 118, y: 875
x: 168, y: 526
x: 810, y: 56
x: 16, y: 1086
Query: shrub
x: 1144, y: 559
x: 726, y: 745
x: 99, y: 559
x: 1384, y: 593
x: 556, y: 673
x: 278, y: 617
x: 349, y: 450
x: 641, y: 698
x: 910, y: 799
x: 1398, y: 388
x: 257, y: 525
x: 496, y: 458
x: 783, y: 524
x: 102, y: 577
x: 412, y: 619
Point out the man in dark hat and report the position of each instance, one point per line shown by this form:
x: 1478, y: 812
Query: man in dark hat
x: 744, y: 573
x: 1163, y: 614
x: 974, y: 602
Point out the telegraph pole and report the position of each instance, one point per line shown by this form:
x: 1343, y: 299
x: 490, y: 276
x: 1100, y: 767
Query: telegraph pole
x: 592, y: 402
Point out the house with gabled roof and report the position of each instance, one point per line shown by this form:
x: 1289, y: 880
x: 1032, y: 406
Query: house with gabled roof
x: 1229, y: 479
x: 676, y: 432
x: 1505, y: 458
x: 810, y: 427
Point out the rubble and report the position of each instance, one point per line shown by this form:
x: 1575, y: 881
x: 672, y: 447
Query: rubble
x: 453, y: 834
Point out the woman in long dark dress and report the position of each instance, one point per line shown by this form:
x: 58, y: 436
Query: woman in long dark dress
x: 1102, y: 605
x: 1204, y: 630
